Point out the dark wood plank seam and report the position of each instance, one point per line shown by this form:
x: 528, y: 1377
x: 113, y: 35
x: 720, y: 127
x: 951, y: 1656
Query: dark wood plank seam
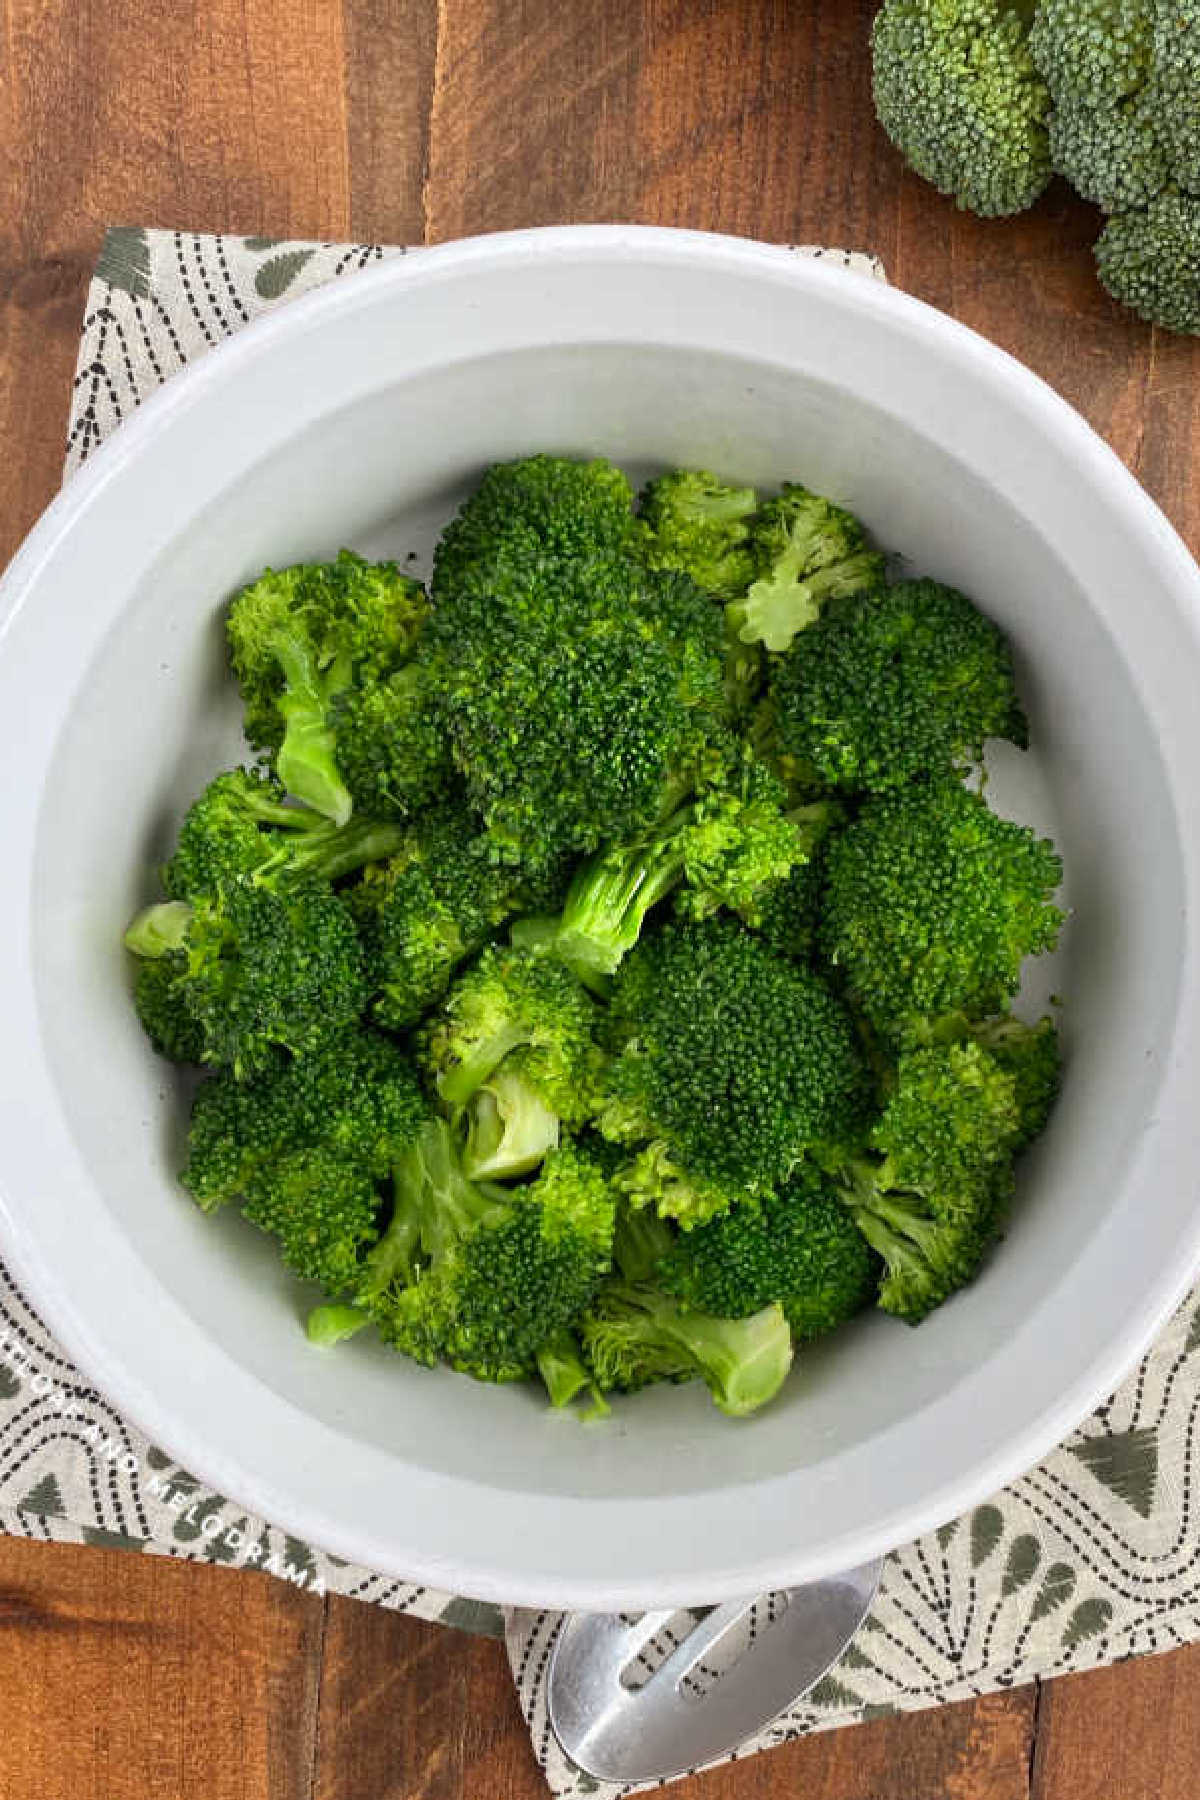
x: 314, y: 1751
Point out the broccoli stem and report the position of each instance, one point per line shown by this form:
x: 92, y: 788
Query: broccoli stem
x: 159, y: 929
x: 307, y: 761
x: 609, y: 898
x: 458, y: 1084
x: 510, y: 1128
x: 566, y: 1376
x: 327, y: 1325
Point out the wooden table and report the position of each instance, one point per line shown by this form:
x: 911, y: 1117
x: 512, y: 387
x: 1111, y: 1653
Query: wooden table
x: 128, y: 1678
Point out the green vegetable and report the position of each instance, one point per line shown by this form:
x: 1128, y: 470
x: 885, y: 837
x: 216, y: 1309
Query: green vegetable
x: 807, y: 553
x: 299, y: 638
x: 635, y: 1335
x: 932, y: 903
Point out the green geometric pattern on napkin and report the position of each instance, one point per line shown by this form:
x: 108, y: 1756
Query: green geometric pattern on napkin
x: 1092, y: 1557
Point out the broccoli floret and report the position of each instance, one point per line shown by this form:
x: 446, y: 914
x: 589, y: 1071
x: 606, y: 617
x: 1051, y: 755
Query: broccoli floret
x: 807, y: 552
x: 424, y: 911
x: 953, y: 1112
x: 163, y: 1014
x: 888, y: 687
x: 579, y: 690
x: 392, y: 746
x: 241, y: 826
x: 656, y: 1183
x: 260, y: 969
x: 1150, y: 261
x: 957, y: 92
x: 561, y: 1366
x: 1029, y: 1054
x: 693, y: 521
x: 498, y: 1273
x: 932, y: 1245
x: 1095, y: 51
x: 799, y: 1247
x: 358, y: 1096
x: 1111, y: 153
x: 323, y: 1210
x: 787, y: 913
x: 298, y: 638
x: 524, y: 1012
x: 734, y: 1058
x: 727, y: 846
x: 1175, y: 85
x: 566, y: 511
x: 635, y: 1335
x: 932, y: 902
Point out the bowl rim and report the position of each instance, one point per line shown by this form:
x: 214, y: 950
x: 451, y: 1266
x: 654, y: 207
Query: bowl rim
x: 737, y: 1570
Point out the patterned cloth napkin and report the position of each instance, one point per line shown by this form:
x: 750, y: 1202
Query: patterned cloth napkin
x: 1091, y: 1558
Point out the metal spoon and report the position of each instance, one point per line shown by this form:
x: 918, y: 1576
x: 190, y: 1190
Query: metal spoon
x: 619, y: 1732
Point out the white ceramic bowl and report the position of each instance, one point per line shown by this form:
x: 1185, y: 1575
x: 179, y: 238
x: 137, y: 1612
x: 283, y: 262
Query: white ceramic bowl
x: 360, y: 416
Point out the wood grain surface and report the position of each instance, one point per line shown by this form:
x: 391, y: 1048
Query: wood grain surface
x: 133, y: 1678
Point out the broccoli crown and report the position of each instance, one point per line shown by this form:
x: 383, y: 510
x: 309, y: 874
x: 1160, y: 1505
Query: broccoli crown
x: 565, y: 511
x: 932, y: 902
x: 391, y: 745
x: 931, y: 1245
x: 787, y: 913
x: 799, y: 1247
x: 887, y: 687
x: 321, y: 1207
x: 358, y: 1096
x: 807, y: 552
x: 953, y: 1112
x: 523, y: 1010
x: 575, y: 705
x: 1029, y: 1054
x: 1175, y: 86
x: 267, y: 970
x: 734, y: 1057
x: 1110, y: 153
x: 1096, y: 51
x: 498, y: 1273
x: 635, y: 1335
x: 423, y: 911
x: 957, y: 91
x: 240, y: 827
x: 1149, y: 260
x: 163, y: 1011
x: 298, y: 637
x: 693, y: 521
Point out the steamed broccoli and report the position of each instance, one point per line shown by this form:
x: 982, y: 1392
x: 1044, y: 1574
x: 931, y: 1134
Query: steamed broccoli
x: 1030, y: 1054
x: 734, y: 1058
x: 392, y: 747
x: 257, y: 968
x: 489, y: 1276
x: 807, y: 553
x: 635, y: 1335
x: 424, y: 910
x: 890, y: 686
x: 163, y: 1012
x: 299, y: 637
x: 357, y: 1097
x: 957, y: 92
x: 931, y: 1246
x: 932, y: 903
x: 799, y: 1247
x: 515, y: 1045
x: 788, y: 912
x: 693, y: 521
x: 727, y: 846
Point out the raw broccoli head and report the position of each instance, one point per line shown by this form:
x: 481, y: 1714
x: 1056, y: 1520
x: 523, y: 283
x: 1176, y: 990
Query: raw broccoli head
x: 527, y: 1012
x: 423, y: 911
x: 693, y: 521
x: 733, y: 1057
x: 1149, y: 260
x: 635, y: 1335
x: 807, y: 552
x: 932, y: 902
x: 891, y: 686
x: 799, y: 1247
x: 358, y: 1097
x: 957, y: 91
x: 298, y: 638
x: 496, y: 1274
